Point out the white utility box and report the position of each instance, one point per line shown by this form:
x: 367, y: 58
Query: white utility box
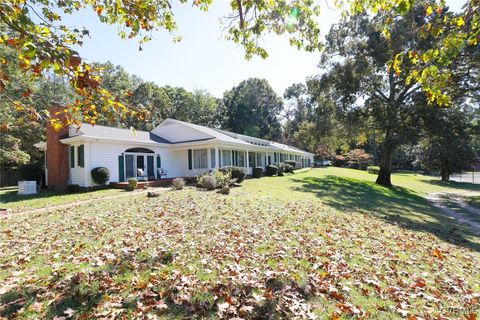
x: 27, y: 187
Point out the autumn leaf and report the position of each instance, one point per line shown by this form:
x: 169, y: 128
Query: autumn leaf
x: 438, y: 254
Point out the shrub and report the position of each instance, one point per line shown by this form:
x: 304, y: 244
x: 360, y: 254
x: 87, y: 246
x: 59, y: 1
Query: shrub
x: 281, y: 168
x: 292, y: 163
x: 31, y: 172
x: 272, y: 170
x: 289, y: 168
x: 224, y: 179
x: 178, y: 183
x: 238, y: 173
x: 207, y: 181
x: 257, y: 172
x: 132, y: 184
x: 73, y: 188
x: 373, y: 169
x: 100, y: 175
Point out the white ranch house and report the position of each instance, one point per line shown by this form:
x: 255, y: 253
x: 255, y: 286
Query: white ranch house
x: 173, y: 149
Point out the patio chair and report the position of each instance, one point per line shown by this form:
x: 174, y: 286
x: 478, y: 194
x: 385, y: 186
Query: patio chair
x: 142, y: 175
x: 161, y: 172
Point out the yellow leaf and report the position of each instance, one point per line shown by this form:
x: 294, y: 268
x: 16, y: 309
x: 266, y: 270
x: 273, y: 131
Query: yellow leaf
x: 460, y: 22
x: 429, y: 10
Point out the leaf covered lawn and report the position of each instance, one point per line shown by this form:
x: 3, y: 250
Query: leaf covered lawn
x: 194, y: 254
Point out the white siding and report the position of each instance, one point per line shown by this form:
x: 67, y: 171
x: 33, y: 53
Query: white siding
x: 106, y: 155
x: 176, y: 132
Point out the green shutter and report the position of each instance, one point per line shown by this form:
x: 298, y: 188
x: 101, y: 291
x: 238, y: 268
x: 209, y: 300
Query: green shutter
x: 150, y: 169
x: 72, y: 157
x: 81, y: 160
x: 189, y: 159
x: 121, y: 170
x: 159, y: 162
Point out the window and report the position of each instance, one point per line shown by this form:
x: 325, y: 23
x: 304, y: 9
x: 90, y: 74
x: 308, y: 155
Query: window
x: 259, y: 160
x: 251, y: 159
x: 226, y: 158
x: 240, y: 158
x: 212, y: 158
x: 81, y: 160
x: 200, y: 159
x: 72, y: 157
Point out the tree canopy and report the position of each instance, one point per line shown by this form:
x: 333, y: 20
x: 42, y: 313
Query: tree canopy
x: 34, y: 29
x: 252, y: 108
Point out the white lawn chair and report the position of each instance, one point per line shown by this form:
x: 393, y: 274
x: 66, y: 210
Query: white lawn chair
x: 161, y: 172
x: 142, y: 175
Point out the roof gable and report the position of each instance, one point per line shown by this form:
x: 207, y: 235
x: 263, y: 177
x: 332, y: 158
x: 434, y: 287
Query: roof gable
x: 179, y: 131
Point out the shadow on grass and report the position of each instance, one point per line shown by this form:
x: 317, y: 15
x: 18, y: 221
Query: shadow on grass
x: 396, y: 205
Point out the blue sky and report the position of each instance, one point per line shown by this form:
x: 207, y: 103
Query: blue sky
x: 203, y: 59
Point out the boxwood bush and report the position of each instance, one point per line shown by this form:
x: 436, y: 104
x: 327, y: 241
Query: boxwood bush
x: 373, y: 169
x: 238, y: 173
x: 292, y: 163
x: 178, y: 183
x: 257, y: 172
x: 100, y: 175
x: 288, y: 168
x: 132, y: 184
x: 280, y: 168
x: 207, y: 181
x: 272, y: 170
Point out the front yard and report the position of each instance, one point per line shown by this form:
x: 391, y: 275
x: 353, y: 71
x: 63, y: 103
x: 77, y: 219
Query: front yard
x: 324, y: 243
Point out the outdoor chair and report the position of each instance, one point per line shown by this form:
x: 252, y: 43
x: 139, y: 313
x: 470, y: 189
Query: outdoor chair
x: 161, y: 172
x: 142, y: 175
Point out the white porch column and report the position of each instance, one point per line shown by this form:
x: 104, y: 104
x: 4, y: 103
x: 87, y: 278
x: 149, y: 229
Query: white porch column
x: 217, y: 164
x: 86, y: 164
x: 246, y: 161
x: 209, y: 158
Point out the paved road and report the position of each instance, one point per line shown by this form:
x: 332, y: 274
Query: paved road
x: 455, y: 206
x: 466, y: 177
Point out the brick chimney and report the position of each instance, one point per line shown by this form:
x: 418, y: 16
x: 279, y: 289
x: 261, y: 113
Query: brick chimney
x: 57, y: 153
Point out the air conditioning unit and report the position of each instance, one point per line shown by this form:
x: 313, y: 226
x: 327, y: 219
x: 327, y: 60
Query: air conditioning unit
x: 27, y: 187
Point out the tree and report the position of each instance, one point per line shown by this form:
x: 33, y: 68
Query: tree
x: 252, y: 108
x: 364, y: 83
x: 33, y: 29
x: 18, y: 139
x: 447, y: 146
x: 11, y: 155
x: 297, y: 109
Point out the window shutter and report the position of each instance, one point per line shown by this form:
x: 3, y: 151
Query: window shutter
x: 150, y: 169
x: 189, y: 159
x: 81, y: 160
x: 121, y: 170
x: 72, y: 157
x: 159, y: 162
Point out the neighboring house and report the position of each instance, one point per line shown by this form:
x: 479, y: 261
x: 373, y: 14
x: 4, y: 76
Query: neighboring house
x: 177, y: 148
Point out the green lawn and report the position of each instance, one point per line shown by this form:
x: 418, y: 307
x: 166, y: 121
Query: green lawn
x: 322, y: 242
x: 9, y: 199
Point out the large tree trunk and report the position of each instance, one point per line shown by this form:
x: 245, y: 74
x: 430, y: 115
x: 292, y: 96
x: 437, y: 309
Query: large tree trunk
x: 384, y: 175
x: 445, y: 174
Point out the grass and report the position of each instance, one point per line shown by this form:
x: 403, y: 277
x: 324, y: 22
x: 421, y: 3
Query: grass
x: 9, y: 199
x: 324, y: 242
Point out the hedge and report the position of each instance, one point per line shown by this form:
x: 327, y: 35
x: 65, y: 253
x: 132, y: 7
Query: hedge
x: 257, y: 172
x: 373, y: 169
